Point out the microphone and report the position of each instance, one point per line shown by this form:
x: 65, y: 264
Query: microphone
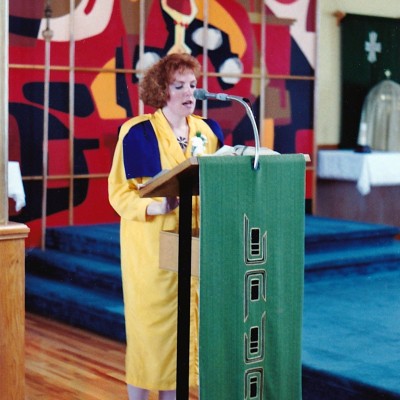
x: 202, y: 94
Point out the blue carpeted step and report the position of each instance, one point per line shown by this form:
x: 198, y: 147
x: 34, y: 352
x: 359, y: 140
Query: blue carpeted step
x: 322, y: 234
x: 365, y: 257
x: 95, y: 311
x: 318, y: 385
x: 351, y: 341
x: 84, y: 271
x: 100, y: 240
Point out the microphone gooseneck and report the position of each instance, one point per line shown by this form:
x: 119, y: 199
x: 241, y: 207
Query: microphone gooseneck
x: 202, y: 94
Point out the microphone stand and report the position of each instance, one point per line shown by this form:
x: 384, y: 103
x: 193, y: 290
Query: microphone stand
x: 254, y: 125
x: 202, y: 94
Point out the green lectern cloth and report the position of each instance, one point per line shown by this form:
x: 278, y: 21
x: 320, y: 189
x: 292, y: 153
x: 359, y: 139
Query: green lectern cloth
x: 251, y: 277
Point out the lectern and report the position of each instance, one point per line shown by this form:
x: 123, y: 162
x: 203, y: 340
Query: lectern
x: 182, y: 181
x: 251, y: 273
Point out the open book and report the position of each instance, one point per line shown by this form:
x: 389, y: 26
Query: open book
x: 241, y: 150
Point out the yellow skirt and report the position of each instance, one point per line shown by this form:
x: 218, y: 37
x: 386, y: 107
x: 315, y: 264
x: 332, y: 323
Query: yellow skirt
x: 150, y: 300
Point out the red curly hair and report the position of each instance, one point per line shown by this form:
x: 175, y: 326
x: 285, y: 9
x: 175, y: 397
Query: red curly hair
x: 153, y: 88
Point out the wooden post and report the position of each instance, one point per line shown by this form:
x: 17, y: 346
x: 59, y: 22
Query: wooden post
x: 12, y: 250
x: 12, y: 311
x: 12, y: 254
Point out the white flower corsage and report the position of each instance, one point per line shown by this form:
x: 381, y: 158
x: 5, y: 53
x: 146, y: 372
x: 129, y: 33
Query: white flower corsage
x: 199, y: 142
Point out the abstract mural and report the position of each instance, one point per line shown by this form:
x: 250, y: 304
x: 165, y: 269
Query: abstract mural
x: 263, y: 51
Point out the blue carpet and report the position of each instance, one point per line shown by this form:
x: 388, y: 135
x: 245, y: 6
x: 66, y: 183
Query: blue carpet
x: 351, y: 331
x: 96, y: 311
x: 325, y: 233
x: 351, y: 340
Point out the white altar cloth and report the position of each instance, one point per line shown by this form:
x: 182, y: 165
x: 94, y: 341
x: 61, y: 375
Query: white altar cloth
x: 379, y: 168
x: 15, y: 187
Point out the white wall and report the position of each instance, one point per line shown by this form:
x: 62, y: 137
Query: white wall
x: 327, y: 88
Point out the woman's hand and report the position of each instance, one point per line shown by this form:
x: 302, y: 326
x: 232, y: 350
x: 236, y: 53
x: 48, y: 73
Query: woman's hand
x: 166, y: 205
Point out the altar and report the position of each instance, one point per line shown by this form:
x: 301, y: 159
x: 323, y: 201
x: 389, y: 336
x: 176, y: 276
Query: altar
x: 359, y: 186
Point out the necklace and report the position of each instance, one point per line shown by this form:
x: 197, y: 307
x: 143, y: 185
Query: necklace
x: 183, y: 142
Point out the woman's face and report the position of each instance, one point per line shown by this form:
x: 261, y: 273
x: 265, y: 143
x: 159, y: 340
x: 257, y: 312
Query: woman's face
x: 181, y: 101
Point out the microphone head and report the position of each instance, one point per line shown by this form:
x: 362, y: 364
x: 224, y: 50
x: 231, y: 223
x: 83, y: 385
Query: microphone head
x: 200, y: 94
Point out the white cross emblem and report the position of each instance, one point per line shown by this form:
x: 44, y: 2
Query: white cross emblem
x: 372, y: 47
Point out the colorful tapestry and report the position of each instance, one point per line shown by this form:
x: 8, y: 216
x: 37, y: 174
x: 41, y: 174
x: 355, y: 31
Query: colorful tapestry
x: 251, y: 277
x: 91, y: 92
